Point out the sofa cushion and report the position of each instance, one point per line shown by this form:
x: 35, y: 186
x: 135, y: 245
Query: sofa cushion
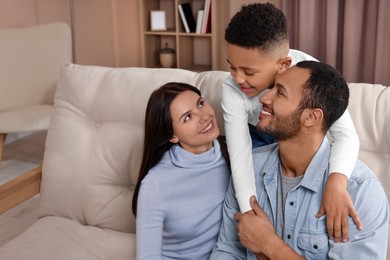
x: 62, y: 239
x: 36, y: 117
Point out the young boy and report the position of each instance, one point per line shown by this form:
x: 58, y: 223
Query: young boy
x: 257, y: 51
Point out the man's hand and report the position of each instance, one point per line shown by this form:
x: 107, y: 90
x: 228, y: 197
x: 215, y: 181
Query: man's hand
x: 257, y: 234
x: 337, y: 205
x: 254, y: 228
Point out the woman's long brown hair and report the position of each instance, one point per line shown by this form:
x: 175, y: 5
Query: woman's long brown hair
x: 158, y: 129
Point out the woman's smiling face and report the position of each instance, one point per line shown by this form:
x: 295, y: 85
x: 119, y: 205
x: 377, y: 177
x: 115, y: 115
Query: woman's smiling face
x: 194, y: 124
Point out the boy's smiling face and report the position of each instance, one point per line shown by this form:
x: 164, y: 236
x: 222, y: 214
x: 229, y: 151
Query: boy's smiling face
x: 252, y: 70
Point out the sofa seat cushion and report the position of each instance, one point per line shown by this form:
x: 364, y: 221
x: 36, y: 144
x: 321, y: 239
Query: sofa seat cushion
x: 60, y: 238
x: 31, y: 118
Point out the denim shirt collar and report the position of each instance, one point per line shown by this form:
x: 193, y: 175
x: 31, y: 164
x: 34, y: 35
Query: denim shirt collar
x: 314, y: 174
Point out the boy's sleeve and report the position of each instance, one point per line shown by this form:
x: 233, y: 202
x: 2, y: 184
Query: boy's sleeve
x: 228, y: 245
x: 345, y: 145
x: 239, y: 144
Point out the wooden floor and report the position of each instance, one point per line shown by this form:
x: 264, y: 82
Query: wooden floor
x: 20, y: 156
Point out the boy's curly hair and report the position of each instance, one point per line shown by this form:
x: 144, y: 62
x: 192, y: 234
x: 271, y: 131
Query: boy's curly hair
x: 261, y: 26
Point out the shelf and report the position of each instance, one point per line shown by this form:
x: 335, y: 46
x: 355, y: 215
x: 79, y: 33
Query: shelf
x: 195, y: 34
x: 194, y: 51
x: 170, y: 33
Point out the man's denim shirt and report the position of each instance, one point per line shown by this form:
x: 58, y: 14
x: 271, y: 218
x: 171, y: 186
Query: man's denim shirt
x: 303, y: 231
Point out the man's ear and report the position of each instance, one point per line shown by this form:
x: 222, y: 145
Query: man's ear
x: 313, y: 117
x: 284, y: 64
x: 174, y: 140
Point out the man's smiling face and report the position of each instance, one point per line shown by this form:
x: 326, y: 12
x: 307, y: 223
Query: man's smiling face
x: 281, y: 115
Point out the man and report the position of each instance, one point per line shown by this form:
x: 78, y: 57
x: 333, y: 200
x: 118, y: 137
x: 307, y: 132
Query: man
x: 291, y: 175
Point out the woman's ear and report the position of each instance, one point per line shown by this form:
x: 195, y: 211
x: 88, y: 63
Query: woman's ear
x: 284, y: 64
x: 174, y: 140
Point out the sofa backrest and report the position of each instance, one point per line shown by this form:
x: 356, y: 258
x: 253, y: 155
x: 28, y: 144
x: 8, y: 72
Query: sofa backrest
x: 94, y: 143
x: 369, y: 106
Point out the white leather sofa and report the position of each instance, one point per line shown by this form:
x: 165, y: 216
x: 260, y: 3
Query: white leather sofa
x: 94, y: 147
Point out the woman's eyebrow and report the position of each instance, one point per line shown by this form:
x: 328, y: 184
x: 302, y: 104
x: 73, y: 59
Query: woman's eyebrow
x: 184, y: 114
x: 188, y: 111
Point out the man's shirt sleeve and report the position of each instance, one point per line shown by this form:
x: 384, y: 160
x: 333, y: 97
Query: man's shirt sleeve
x: 372, y: 207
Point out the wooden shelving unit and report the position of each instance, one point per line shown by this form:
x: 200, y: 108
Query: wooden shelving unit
x: 196, y: 52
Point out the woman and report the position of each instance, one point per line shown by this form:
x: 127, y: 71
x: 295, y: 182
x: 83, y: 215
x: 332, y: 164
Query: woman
x: 183, y: 178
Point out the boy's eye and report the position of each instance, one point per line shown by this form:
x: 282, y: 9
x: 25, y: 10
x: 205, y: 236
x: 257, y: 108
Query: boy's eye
x: 249, y: 73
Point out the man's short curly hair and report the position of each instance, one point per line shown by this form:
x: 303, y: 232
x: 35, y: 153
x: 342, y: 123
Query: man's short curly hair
x: 261, y: 26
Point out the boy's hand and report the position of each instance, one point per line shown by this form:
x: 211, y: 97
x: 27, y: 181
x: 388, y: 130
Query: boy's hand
x: 337, y: 205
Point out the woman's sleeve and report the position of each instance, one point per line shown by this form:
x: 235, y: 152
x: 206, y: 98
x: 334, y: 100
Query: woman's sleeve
x: 239, y: 145
x: 149, y: 222
x: 345, y: 146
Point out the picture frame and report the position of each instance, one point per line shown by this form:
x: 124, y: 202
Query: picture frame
x: 157, y: 21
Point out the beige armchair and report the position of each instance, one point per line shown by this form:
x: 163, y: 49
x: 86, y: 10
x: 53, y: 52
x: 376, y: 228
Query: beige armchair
x: 30, y: 62
x: 93, y: 152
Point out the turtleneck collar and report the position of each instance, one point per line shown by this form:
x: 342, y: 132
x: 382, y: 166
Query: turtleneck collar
x: 184, y: 159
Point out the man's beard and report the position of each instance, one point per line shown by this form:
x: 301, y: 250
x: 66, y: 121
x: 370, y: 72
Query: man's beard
x: 284, y: 127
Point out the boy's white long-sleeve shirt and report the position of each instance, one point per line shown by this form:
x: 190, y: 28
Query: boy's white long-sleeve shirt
x: 239, y: 110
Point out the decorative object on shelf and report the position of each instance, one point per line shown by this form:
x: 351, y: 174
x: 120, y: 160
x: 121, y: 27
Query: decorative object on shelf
x: 157, y: 21
x: 167, y: 57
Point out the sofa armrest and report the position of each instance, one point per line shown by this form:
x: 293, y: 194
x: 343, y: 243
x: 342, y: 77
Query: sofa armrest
x: 20, y: 189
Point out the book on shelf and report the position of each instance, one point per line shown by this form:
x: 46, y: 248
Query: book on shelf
x: 206, y: 24
x: 199, y: 21
x: 187, y: 17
